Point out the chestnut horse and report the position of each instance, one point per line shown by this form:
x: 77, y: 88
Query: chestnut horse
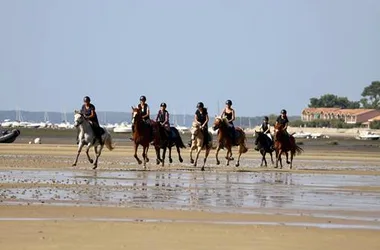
x: 225, y: 140
x: 143, y: 135
x: 197, y: 143
x: 285, y: 143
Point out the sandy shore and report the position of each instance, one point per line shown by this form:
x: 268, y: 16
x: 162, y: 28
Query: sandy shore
x: 74, y: 226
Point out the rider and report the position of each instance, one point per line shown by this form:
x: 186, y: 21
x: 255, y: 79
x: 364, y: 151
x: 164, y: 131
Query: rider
x: 201, y: 116
x: 88, y: 111
x: 283, y: 120
x: 229, y: 113
x: 163, y: 119
x: 265, y: 128
x: 144, y: 108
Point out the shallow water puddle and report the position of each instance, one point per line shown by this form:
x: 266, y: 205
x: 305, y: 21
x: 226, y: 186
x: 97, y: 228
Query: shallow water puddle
x: 238, y: 191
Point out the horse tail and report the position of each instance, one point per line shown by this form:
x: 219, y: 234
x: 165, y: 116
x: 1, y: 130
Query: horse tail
x: 178, y: 142
x: 108, y: 142
x: 297, y: 150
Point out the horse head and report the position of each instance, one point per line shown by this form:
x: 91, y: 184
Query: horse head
x: 78, y: 118
x: 136, y: 115
x: 219, y: 122
x: 259, y: 137
x: 195, y: 128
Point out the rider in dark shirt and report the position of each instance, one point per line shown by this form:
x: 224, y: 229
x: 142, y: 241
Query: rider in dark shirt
x: 265, y: 128
x: 163, y: 119
x: 229, y: 113
x: 144, y: 108
x: 283, y: 120
x: 89, y: 112
x: 201, y: 116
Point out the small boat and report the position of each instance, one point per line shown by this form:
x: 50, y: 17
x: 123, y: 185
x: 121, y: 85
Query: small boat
x: 9, y: 136
x: 123, y: 128
x: 302, y: 135
x: 367, y: 135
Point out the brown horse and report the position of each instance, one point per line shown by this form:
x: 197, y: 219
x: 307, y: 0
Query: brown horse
x: 285, y: 143
x: 143, y: 135
x: 225, y: 140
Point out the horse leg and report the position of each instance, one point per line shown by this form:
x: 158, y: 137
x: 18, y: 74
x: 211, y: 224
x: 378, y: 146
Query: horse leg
x: 135, y: 155
x: 217, y: 154
x: 228, y: 155
x: 163, y: 156
x: 277, y: 157
x: 262, y: 158
x: 280, y: 159
x: 271, y: 157
x: 199, y: 149
x: 97, y: 153
x: 205, y: 159
x: 80, y: 146
x: 291, y: 159
x: 158, y: 160
x: 87, y: 153
x: 191, y: 155
x: 238, y: 160
x: 170, y: 155
x: 287, y: 158
x: 179, y: 154
x: 144, y: 155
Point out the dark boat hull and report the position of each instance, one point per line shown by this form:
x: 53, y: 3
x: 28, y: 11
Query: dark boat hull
x: 9, y: 136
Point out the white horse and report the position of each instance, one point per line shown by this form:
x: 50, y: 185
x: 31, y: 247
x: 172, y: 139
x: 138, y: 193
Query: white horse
x: 87, y: 137
x: 197, y: 139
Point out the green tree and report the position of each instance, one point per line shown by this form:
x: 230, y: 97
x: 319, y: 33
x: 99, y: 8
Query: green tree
x: 333, y: 101
x: 371, y: 96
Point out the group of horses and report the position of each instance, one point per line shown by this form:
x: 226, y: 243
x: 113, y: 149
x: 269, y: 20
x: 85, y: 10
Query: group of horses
x: 145, y: 134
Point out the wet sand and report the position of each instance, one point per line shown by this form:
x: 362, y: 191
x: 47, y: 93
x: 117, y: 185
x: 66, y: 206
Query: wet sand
x: 330, y: 200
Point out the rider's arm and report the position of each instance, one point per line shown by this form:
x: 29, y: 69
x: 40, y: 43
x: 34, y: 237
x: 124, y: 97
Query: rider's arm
x: 92, y: 114
x: 233, y: 116
x: 158, y: 115
x: 166, y: 118
x: 207, y: 119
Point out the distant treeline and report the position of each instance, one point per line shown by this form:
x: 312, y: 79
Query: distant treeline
x: 118, y: 117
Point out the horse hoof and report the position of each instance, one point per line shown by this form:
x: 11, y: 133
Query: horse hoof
x: 140, y: 162
x: 231, y: 159
x: 147, y: 159
x: 180, y: 160
x: 170, y: 160
x: 158, y: 162
x: 95, y: 167
x: 191, y: 161
x: 74, y: 165
x: 288, y: 162
x: 218, y: 163
x: 91, y: 161
x: 203, y: 169
x: 237, y: 165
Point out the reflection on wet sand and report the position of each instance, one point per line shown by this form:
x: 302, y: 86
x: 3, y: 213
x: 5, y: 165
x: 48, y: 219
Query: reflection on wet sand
x: 229, y: 191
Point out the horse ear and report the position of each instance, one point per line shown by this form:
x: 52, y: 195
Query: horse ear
x: 76, y: 112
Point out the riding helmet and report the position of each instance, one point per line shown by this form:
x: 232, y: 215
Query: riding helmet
x: 229, y: 102
x: 87, y: 99
x: 163, y: 105
x: 283, y: 112
x: 200, y: 105
x: 266, y: 118
x: 143, y: 98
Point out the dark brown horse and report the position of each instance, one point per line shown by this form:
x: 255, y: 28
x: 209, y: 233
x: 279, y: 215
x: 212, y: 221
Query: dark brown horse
x: 225, y: 140
x: 285, y: 143
x: 167, y: 141
x: 143, y: 135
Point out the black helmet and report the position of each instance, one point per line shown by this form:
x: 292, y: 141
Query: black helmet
x: 229, y: 102
x: 200, y: 105
x: 283, y: 112
x: 87, y: 99
x: 266, y: 118
x: 143, y: 98
x: 163, y: 105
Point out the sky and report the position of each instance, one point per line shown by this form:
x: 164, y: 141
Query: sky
x: 263, y: 55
